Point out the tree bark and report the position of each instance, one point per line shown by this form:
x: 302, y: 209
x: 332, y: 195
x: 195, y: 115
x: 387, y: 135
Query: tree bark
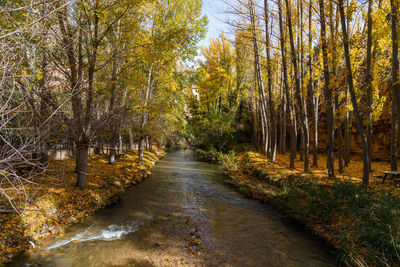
x: 258, y: 74
x: 353, y: 96
x: 302, y: 113
x: 274, y: 129
x: 327, y: 93
x: 113, y: 151
x: 121, y: 143
x: 286, y: 88
x: 369, y: 83
x: 141, y: 149
x: 348, y: 133
x: 144, y: 114
x: 130, y: 139
x: 312, y: 94
x: 82, y: 163
x: 395, y: 83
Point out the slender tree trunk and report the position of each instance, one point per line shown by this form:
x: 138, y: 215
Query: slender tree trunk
x: 353, y: 95
x: 313, y: 95
x: 369, y: 84
x: 301, y: 154
x: 340, y: 135
x: 327, y: 93
x: 348, y: 133
x: 395, y: 83
x: 274, y: 139
x: 113, y: 113
x: 283, y: 121
x: 286, y: 88
x: 394, y: 137
x: 121, y: 143
x: 130, y: 139
x: 144, y: 115
x: 113, y: 150
x: 259, y: 76
x: 141, y: 148
x: 82, y: 163
x: 302, y: 113
x: 315, y: 141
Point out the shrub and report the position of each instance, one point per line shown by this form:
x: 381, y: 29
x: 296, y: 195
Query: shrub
x: 228, y: 161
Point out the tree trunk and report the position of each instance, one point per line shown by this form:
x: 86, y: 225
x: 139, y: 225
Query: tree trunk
x: 302, y: 113
x: 44, y: 154
x: 141, y: 149
x: 82, y: 164
x: 130, y: 139
x: 113, y: 151
x: 369, y: 84
x: 313, y: 94
x: 353, y: 95
x: 340, y: 150
x: 274, y: 139
x: 147, y: 142
x: 393, y: 140
x: 283, y: 122
x: 327, y: 93
x: 144, y: 115
x: 315, y: 141
x: 395, y: 84
x: 348, y: 133
x: 259, y: 80
x: 301, y: 156
x: 120, y: 144
x: 286, y: 88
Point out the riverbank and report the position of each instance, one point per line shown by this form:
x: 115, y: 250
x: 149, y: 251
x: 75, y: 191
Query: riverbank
x: 362, y: 224
x: 55, y: 203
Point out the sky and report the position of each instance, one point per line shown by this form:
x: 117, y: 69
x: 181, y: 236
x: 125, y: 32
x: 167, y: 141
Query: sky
x: 215, y: 11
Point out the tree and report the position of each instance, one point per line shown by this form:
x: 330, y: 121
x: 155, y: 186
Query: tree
x: 300, y: 102
x: 327, y: 93
x: 272, y: 117
x: 286, y: 89
x: 395, y: 84
x: 353, y: 95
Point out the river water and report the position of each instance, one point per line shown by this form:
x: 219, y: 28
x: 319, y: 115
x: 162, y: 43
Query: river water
x: 234, y: 231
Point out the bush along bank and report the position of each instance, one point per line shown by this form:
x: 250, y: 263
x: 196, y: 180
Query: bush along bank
x: 361, y: 223
x: 58, y: 203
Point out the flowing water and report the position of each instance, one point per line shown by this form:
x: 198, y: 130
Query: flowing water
x: 234, y: 231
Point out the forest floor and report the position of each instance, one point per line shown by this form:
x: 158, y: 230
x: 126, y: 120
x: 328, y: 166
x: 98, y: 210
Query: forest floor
x: 361, y: 223
x: 53, y: 203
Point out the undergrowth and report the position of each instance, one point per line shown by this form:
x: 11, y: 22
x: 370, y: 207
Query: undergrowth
x: 362, y: 223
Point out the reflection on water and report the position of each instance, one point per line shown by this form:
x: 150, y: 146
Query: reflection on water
x: 111, y: 232
x: 236, y: 231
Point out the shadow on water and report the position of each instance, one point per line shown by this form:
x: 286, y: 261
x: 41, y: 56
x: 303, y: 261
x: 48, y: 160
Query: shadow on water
x: 154, y: 221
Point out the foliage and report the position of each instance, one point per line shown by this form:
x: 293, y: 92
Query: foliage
x: 364, y: 221
x: 213, y: 129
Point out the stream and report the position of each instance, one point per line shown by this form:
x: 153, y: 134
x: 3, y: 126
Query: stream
x: 183, y: 215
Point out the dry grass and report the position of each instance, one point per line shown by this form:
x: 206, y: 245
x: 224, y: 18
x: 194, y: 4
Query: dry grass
x: 353, y: 172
